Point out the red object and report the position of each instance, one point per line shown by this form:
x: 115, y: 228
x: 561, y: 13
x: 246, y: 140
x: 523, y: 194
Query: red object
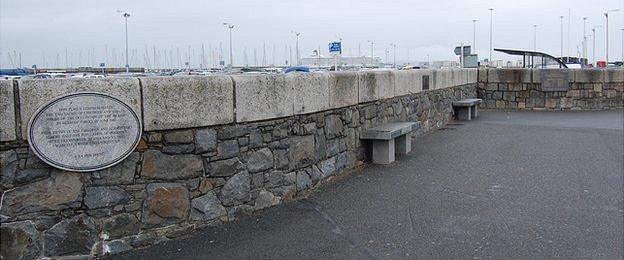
x: 601, y: 64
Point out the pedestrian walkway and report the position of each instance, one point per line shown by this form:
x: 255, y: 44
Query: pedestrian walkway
x: 508, y: 185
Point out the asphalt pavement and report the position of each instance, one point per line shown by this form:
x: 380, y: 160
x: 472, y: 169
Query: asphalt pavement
x: 507, y: 185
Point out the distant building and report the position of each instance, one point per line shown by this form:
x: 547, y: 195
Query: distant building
x: 437, y: 64
x: 320, y: 61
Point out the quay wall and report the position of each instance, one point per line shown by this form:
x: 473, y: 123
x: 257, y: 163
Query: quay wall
x: 213, y: 149
x: 588, y: 89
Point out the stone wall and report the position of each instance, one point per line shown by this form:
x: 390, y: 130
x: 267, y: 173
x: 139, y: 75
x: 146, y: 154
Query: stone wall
x: 522, y: 89
x: 213, y: 149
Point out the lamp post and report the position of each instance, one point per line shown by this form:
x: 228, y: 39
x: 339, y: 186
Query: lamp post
x: 594, y: 43
x: 535, y: 37
x: 584, y: 38
x: 568, y: 40
x: 372, y: 53
x: 296, y: 46
x: 491, y: 13
x: 394, y: 54
x: 125, y: 16
x: 386, y: 52
x: 561, y: 53
x: 606, y: 14
x: 474, y: 36
x: 230, y: 27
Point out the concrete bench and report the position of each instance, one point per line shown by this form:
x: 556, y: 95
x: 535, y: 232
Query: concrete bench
x: 466, y: 109
x: 384, y: 136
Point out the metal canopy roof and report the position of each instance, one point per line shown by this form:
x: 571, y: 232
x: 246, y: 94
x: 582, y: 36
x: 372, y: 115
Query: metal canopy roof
x: 532, y: 54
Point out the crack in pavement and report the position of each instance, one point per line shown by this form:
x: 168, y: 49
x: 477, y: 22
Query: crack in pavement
x: 337, y: 229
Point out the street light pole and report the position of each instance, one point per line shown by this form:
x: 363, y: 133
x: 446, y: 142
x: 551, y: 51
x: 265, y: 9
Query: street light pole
x: 386, y: 53
x: 491, y: 13
x: 394, y: 52
x: 594, y: 44
x: 535, y: 37
x: 230, y: 27
x: 474, y: 36
x: 584, y: 38
x: 125, y: 16
x: 607, y: 34
x: 561, y: 53
x: 372, y: 54
x: 297, y: 48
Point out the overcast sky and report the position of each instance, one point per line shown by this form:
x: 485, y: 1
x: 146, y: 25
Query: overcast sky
x: 93, y: 32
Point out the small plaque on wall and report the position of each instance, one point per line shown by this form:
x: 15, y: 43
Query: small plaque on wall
x: 555, y: 80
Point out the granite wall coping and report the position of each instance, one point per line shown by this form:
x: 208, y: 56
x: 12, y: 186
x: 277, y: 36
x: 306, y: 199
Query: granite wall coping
x: 168, y: 103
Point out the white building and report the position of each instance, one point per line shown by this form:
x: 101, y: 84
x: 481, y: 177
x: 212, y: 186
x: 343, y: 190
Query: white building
x: 320, y: 61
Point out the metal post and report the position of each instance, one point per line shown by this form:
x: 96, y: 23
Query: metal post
x: 535, y: 37
x: 594, y: 46
x: 561, y: 50
x: 386, y: 53
x: 394, y: 58
x: 491, y: 13
x: 534, y: 45
x: 359, y: 50
x: 201, y: 64
x: 372, y: 54
x: 231, y: 52
x: 297, y: 49
x: 126, y: 15
x: 607, y: 34
x: 569, y: 18
x: 230, y: 27
x: 607, y: 38
x: 584, y: 38
x: 474, y: 36
x: 461, y: 55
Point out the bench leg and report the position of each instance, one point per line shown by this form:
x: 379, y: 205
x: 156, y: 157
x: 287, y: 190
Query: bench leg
x: 383, y: 151
x: 474, y: 113
x: 463, y: 113
x: 404, y: 144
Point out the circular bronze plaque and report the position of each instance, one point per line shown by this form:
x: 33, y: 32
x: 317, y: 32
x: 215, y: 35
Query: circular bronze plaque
x: 84, y: 131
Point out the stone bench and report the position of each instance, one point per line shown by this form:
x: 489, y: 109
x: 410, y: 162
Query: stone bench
x: 383, y: 137
x: 466, y: 109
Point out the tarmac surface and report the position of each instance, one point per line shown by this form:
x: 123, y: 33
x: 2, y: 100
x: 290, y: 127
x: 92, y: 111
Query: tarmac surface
x: 507, y: 185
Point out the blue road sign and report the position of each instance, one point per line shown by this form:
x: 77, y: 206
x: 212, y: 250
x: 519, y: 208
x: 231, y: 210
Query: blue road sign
x: 102, y: 64
x: 335, y: 47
